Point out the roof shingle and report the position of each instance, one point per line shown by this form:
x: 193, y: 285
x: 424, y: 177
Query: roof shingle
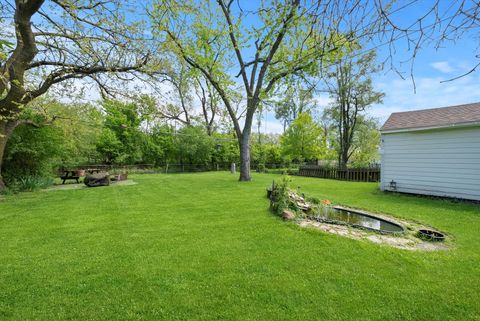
x: 436, y: 117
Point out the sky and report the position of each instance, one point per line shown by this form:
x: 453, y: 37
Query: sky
x: 431, y: 68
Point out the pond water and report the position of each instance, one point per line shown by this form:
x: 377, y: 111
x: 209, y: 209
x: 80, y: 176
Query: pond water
x: 358, y: 220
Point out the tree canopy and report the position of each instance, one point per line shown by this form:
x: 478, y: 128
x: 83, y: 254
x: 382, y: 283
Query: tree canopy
x: 56, y: 41
x: 303, y: 139
x: 352, y: 92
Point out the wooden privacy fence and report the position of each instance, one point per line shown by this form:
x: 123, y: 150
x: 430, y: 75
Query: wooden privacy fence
x: 351, y: 174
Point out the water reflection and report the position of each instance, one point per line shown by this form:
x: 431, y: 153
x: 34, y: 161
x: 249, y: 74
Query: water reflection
x: 353, y: 218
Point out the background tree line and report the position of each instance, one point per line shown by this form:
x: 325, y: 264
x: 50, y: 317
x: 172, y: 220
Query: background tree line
x: 133, y: 132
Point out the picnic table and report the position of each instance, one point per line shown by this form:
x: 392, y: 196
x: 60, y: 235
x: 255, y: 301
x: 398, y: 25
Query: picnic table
x: 70, y: 174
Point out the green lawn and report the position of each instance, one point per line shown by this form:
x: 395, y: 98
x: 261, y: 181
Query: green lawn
x: 205, y: 247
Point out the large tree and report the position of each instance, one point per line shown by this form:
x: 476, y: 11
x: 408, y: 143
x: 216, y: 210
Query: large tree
x: 58, y: 41
x: 177, y: 103
x: 261, y: 43
x: 366, y: 143
x: 296, y: 98
x: 210, y: 102
x: 352, y: 92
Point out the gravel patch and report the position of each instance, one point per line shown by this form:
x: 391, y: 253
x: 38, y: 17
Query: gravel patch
x: 407, y: 240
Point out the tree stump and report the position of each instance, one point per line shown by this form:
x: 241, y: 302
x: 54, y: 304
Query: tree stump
x: 98, y: 179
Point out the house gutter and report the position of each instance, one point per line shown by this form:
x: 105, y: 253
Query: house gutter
x: 414, y: 129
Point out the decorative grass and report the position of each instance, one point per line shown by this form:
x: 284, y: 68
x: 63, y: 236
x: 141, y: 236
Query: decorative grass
x: 206, y: 247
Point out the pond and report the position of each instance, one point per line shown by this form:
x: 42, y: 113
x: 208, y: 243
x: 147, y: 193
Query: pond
x: 357, y: 219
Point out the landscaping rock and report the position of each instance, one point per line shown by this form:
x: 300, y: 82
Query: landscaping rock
x: 288, y: 215
x: 406, y: 242
x: 303, y: 206
x: 299, y: 201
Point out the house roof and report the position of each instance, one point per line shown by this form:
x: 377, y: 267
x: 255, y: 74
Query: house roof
x: 468, y: 114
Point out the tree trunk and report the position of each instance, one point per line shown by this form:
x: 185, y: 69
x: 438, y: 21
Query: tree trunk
x: 244, y: 142
x: 343, y: 158
x: 6, y: 129
x: 3, y: 144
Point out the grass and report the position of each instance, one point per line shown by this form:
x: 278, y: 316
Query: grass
x: 205, y: 247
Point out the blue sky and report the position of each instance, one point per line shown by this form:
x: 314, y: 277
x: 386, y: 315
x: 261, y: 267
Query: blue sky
x: 431, y: 67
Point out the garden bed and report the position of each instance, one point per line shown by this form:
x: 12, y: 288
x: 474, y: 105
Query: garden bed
x: 349, y: 222
x: 407, y: 240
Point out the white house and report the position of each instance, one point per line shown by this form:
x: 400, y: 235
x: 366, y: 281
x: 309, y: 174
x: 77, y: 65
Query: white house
x: 433, y: 152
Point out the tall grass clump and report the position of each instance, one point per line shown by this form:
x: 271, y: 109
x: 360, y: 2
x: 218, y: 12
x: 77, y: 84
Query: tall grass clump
x: 31, y: 183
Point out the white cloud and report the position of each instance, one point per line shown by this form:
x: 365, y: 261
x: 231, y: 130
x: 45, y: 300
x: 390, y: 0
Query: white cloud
x: 430, y: 93
x: 442, y: 66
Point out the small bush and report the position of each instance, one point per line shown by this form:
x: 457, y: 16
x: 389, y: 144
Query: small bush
x: 293, y: 171
x: 282, y: 197
x: 279, y: 198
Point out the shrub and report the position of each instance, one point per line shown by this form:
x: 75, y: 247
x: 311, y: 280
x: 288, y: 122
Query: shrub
x: 279, y: 197
x: 282, y: 197
x: 261, y: 168
x: 32, y: 152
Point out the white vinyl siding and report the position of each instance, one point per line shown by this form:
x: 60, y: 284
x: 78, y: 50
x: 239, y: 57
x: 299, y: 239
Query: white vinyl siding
x: 443, y: 162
